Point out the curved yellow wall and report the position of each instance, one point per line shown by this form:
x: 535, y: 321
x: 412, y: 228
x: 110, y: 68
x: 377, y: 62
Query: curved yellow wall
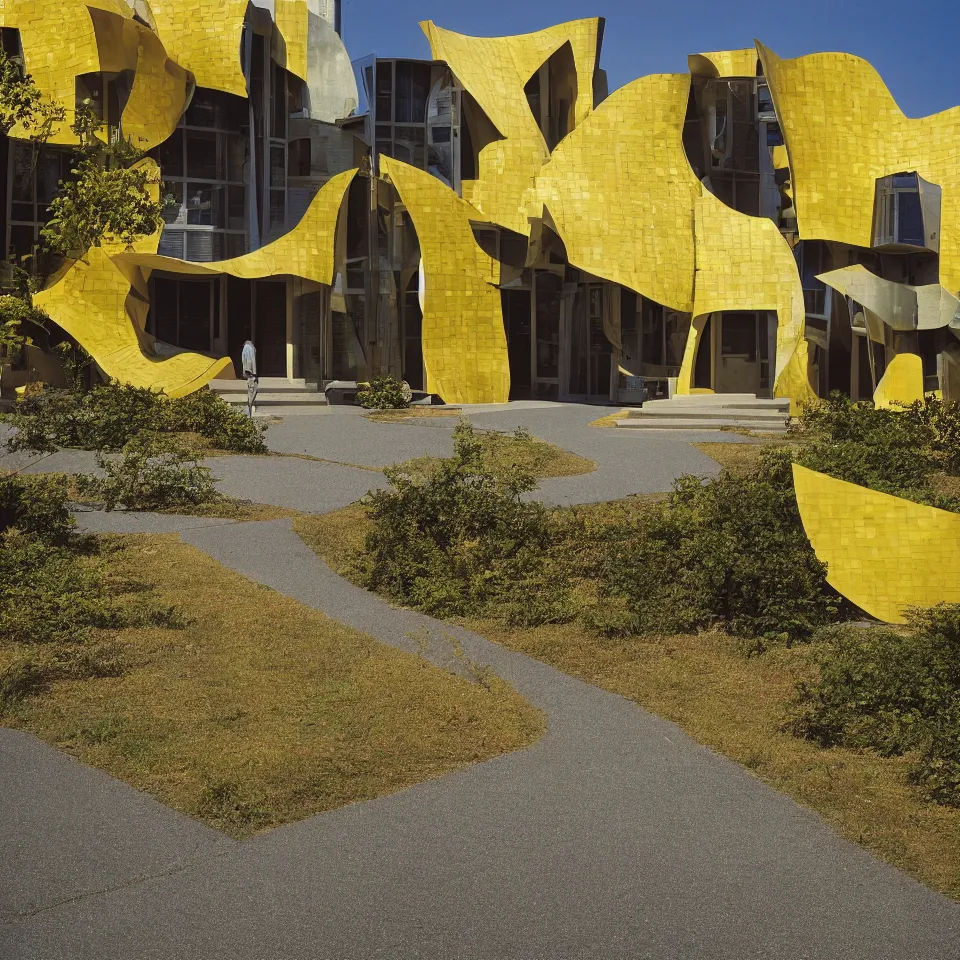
x: 494, y: 70
x: 902, y: 382
x: 204, y: 37
x: 291, y: 17
x: 844, y: 130
x: 464, y: 344
x: 629, y: 208
x: 89, y: 300
x: 622, y: 194
x: 882, y: 553
x: 307, y: 251
x: 724, y: 63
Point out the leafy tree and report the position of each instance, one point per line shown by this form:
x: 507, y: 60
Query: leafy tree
x: 23, y: 103
x: 109, y: 196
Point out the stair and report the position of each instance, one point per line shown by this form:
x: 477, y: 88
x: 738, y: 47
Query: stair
x: 278, y: 396
x: 711, y: 412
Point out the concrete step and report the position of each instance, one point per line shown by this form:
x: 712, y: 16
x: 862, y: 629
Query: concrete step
x: 720, y: 403
x: 277, y: 396
x: 701, y: 413
x: 272, y: 384
x: 703, y: 423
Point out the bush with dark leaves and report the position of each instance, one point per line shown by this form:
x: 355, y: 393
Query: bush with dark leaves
x: 894, y: 692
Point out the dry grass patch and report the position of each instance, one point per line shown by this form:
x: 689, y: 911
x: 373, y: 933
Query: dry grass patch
x: 261, y: 711
x: 410, y: 414
x: 732, y: 703
x: 739, y: 458
x: 505, y: 453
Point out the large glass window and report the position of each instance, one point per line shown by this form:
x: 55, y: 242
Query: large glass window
x: 204, y: 165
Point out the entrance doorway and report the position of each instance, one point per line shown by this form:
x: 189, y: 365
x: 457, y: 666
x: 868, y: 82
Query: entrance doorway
x: 517, y: 324
x: 743, y: 345
x: 257, y: 311
x: 590, y: 350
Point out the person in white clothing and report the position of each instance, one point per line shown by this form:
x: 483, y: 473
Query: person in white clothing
x: 249, y: 361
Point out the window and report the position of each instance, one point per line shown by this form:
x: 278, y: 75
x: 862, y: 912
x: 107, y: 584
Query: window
x: 412, y: 89
x: 898, y: 214
x: 811, y: 257
x: 204, y: 169
x: 298, y: 158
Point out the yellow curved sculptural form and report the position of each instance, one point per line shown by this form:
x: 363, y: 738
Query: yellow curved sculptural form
x: 844, y: 130
x: 630, y: 209
x: 59, y: 43
x: 883, y: 553
x: 291, y: 17
x: 307, y: 251
x: 64, y: 40
x: 724, y: 63
x: 494, y: 70
x: 901, y: 383
x: 89, y: 301
x: 204, y: 37
x: 464, y: 344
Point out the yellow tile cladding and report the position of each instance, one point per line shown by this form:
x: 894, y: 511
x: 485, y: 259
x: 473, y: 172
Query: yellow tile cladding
x: 204, y: 37
x: 883, y: 553
x: 843, y: 130
x: 89, y: 301
x: 464, y: 344
x: 494, y: 70
x: 307, y: 251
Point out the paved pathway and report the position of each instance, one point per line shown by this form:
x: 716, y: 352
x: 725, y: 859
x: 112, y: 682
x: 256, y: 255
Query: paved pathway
x: 350, y: 450
x: 615, y: 835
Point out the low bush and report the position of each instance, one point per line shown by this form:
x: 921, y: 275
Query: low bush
x: 153, y: 473
x: 36, y: 506
x: 892, y: 691
x: 384, y: 393
x: 109, y: 416
x: 896, y: 451
x: 459, y: 540
x: 729, y: 551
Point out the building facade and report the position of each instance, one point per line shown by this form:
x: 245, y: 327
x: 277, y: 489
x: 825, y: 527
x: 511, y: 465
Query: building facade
x: 494, y: 223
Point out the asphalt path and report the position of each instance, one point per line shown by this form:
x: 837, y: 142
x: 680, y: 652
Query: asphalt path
x: 615, y: 835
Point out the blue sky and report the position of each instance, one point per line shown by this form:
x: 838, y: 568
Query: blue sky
x: 914, y: 44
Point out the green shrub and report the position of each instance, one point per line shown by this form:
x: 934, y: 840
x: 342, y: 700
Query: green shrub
x: 110, y: 415
x: 460, y: 540
x: 892, y: 691
x: 224, y: 426
x: 153, y: 473
x: 37, y: 506
x: 729, y: 551
x: 384, y: 393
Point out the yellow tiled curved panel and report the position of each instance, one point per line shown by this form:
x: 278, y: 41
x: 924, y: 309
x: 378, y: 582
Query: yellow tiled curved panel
x: 204, y: 37
x: 89, y: 300
x: 464, y: 344
x: 882, y: 553
x: 59, y: 42
x: 158, y: 96
x: 622, y: 193
x: 290, y: 17
x: 901, y: 383
x: 724, y: 63
x: 843, y: 130
x: 494, y: 70
x: 744, y: 263
x: 306, y: 251
x: 630, y: 209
